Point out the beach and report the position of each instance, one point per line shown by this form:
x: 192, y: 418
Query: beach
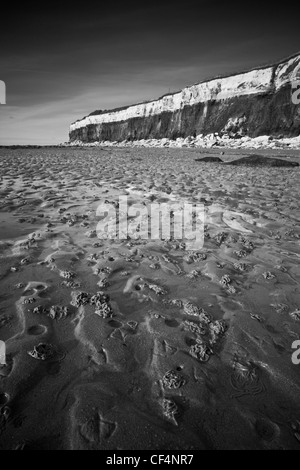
x: 134, y: 343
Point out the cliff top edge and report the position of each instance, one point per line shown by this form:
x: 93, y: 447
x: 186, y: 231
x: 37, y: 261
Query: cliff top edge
x: 206, y: 80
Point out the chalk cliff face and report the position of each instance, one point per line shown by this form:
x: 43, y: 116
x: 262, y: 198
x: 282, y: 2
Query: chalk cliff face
x: 258, y: 102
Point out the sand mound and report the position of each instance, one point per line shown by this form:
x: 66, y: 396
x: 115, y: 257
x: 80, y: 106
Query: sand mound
x: 209, y: 160
x: 260, y: 160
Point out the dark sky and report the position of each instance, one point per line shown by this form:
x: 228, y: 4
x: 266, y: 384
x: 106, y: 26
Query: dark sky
x: 61, y: 63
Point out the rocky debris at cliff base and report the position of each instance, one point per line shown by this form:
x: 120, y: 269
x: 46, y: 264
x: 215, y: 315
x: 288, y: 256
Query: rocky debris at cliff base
x: 200, y: 141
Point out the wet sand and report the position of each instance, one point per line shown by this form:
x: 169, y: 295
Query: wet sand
x: 140, y: 344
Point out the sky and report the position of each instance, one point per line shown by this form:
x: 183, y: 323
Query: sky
x: 60, y: 63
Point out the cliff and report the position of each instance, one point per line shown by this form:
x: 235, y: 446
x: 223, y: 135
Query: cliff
x: 254, y: 103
